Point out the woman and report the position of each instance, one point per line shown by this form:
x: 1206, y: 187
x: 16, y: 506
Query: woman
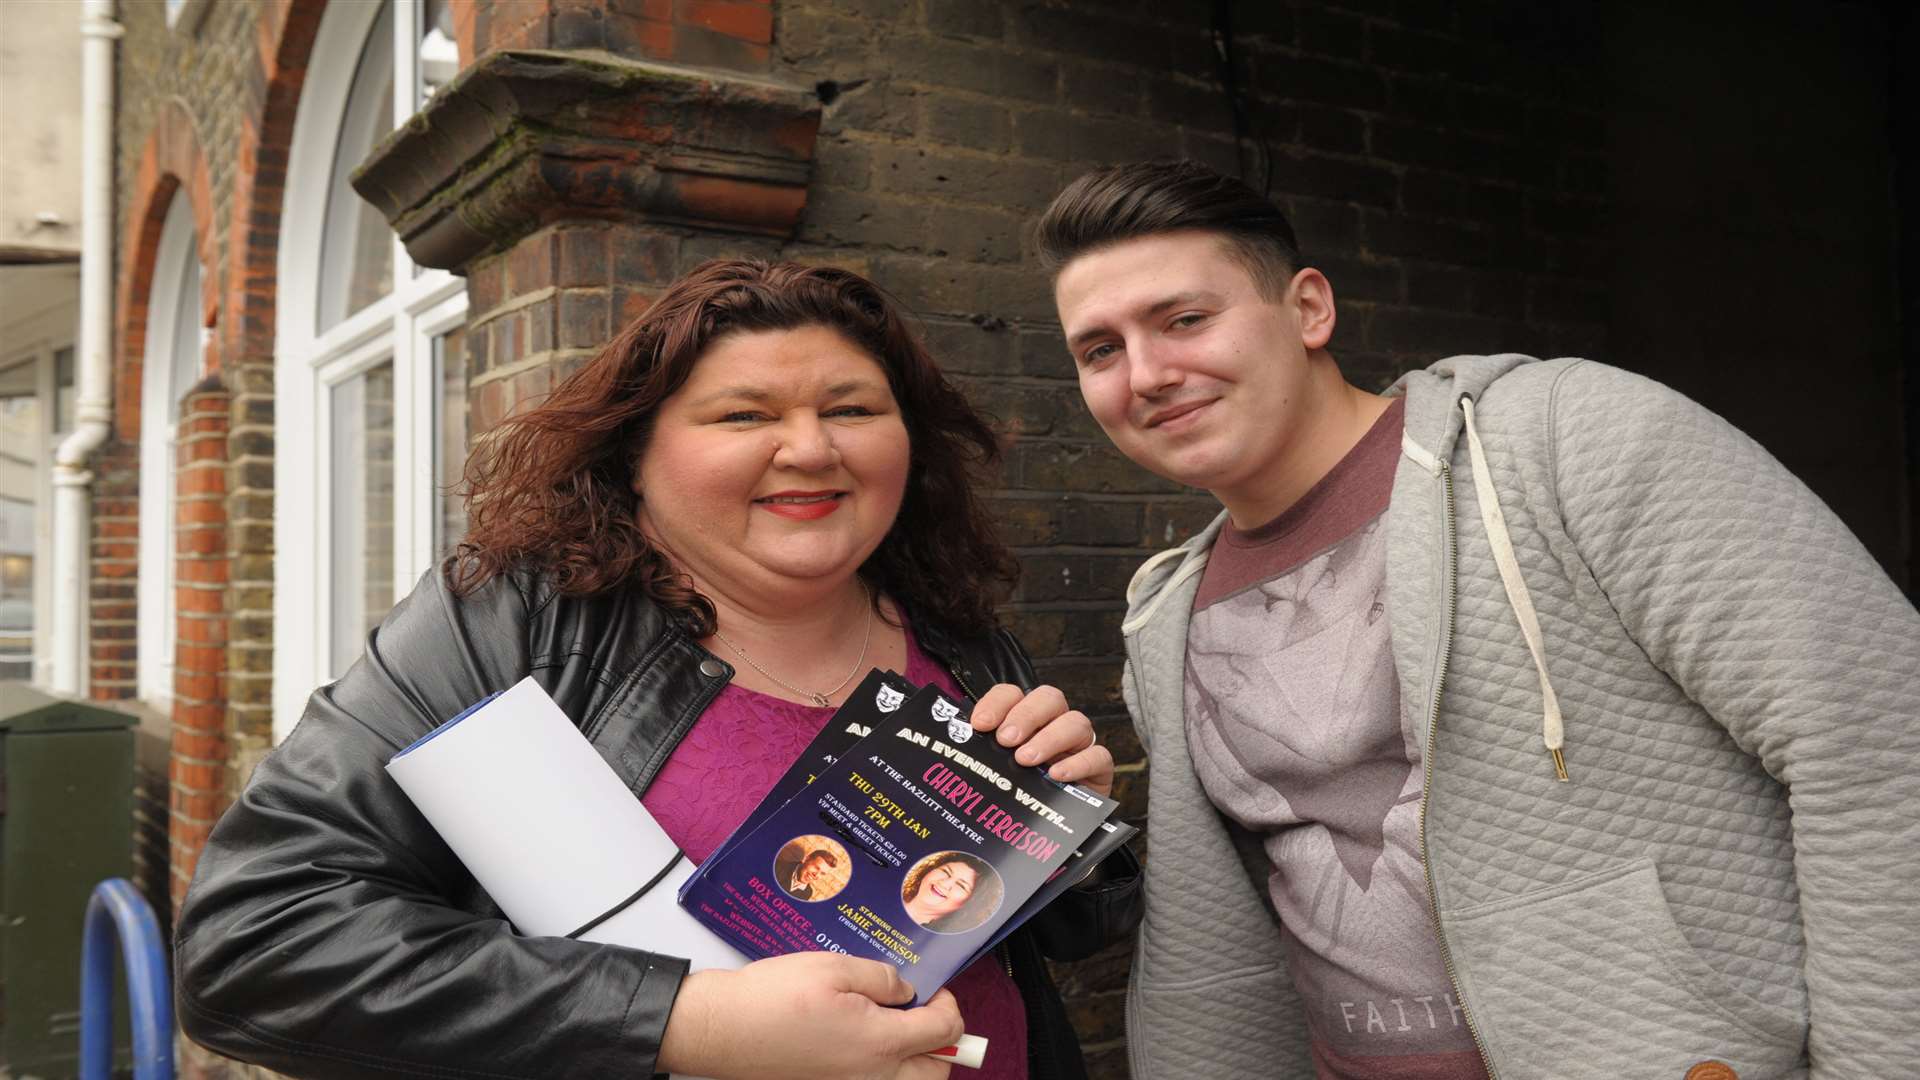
x: 764, y: 468
x: 951, y: 892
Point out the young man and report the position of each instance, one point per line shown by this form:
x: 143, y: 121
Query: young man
x: 1573, y: 736
x: 799, y: 876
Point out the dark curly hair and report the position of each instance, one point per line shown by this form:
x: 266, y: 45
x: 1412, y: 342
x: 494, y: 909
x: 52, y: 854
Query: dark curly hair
x: 552, y: 487
x: 981, y: 903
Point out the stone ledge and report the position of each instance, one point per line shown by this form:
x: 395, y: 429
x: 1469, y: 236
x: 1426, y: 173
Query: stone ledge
x: 526, y: 138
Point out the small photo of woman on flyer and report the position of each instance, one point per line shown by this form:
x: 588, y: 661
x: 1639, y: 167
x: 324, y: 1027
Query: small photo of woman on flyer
x: 951, y: 892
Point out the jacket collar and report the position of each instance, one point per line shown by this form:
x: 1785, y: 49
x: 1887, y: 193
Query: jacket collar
x: 1160, y: 580
x: 1433, y: 426
x: 976, y: 663
x: 672, y: 680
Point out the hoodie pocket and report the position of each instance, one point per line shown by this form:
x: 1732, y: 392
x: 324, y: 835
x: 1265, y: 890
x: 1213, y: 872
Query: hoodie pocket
x: 1593, y: 978
x: 1220, y: 1025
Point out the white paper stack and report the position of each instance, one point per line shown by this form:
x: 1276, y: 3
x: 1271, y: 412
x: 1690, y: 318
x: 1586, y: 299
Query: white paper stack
x: 546, y: 827
x: 544, y: 824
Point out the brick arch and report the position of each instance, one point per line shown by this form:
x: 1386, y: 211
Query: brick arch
x: 284, y: 33
x: 170, y: 162
x: 227, y: 429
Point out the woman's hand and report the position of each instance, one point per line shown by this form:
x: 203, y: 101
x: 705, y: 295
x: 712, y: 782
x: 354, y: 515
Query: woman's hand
x: 806, y: 1016
x: 1045, y: 730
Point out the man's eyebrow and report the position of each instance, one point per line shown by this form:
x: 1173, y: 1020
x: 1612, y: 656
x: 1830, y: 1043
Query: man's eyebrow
x: 1156, y: 308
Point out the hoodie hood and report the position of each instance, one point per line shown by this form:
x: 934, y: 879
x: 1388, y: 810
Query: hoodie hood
x: 1433, y: 425
x: 1434, y: 420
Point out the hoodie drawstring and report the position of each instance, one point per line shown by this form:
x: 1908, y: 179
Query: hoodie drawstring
x: 1552, y: 732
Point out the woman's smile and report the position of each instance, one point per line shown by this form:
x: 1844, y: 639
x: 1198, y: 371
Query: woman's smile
x: 801, y: 505
x: 944, y: 891
x: 778, y: 467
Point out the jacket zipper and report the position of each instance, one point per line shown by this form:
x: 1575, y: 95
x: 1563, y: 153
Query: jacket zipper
x: 965, y: 688
x: 1006, y: 960
x: 1426, y: 783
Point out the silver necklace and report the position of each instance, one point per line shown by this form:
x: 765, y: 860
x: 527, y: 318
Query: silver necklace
x: 822, y: 700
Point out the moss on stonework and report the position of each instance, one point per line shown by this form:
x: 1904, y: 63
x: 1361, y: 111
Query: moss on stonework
x: 466, y: 175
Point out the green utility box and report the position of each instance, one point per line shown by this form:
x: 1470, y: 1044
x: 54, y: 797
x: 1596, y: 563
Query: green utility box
x: 66, y: 824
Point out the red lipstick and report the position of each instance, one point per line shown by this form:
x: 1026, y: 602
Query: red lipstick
x: 801, y: 505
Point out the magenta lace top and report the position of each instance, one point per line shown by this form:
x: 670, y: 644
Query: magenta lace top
x: 728, y: 763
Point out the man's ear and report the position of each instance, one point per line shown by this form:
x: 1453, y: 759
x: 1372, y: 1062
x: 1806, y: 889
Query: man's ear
x: 1312, y: 296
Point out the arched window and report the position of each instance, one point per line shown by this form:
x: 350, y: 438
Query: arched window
x: 171, y: 366
x: 370, y: 369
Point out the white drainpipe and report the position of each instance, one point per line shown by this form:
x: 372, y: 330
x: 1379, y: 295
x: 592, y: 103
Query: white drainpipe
x: 93, y: 409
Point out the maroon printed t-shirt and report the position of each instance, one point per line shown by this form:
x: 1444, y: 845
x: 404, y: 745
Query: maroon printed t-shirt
x: 1296, y: 729
x: 741, y: 744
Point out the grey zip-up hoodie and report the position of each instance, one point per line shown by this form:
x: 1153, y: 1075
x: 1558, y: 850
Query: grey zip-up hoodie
x: 1731, y: 871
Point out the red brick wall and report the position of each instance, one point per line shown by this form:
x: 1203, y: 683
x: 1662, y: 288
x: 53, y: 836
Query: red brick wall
x: 278, y: 36
x: 233, y: 83
x: 1447, y: 162
x: 535, y: 314
x: 170, y: 162
x: 1437, y: 159
x: 733, y: 34
x: 114, y: 564
x: 199, y: 771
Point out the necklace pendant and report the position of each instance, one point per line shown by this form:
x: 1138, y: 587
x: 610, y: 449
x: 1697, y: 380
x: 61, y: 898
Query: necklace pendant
x: 820, y: 700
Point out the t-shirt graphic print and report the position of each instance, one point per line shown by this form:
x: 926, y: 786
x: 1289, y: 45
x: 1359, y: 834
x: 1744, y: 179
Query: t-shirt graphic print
x: 1295, y: 725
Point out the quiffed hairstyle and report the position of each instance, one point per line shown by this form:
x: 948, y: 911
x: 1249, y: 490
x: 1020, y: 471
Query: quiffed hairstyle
x: 1145, y: 198
x: 552, y: 489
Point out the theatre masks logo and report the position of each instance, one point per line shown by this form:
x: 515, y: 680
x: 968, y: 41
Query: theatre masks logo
x: 958, y: 730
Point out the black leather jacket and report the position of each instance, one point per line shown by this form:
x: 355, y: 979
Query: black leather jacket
x: 330, y: 933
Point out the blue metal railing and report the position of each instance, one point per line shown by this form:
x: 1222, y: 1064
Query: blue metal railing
x: 118, y: 914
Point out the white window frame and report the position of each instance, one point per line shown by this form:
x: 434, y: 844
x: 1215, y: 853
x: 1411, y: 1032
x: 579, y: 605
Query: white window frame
x: 37, y: 340
x: 154, y: 594
x: 422, y: 479
x: 399, y: 325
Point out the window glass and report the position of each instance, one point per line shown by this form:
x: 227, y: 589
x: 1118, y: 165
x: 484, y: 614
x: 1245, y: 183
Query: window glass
x: 439, y: 52
x: 436, y: 58
x: 186, y: 337
x: 361, y: 476
x: 16, y: 383
x: 65, y: 397
x: 356, y: 256
x: 346, y: 540
x: 450, y: 438
x: 20, y: 439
